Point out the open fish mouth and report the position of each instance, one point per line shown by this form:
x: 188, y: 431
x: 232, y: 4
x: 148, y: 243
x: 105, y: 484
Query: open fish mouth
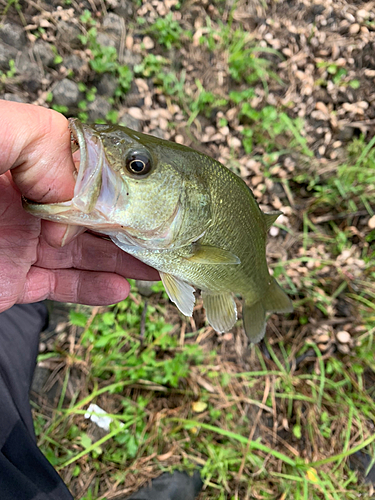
x: 76, y: 152
x: 88, y: 156
x: 99, y: 191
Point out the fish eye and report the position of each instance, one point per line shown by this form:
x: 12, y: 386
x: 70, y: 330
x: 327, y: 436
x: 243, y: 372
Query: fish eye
x: 138, y: 163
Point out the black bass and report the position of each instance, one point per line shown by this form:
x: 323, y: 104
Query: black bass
x: 182, y: 213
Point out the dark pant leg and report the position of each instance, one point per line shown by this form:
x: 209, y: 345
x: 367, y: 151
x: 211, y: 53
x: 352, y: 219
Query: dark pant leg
x: 25, y: 474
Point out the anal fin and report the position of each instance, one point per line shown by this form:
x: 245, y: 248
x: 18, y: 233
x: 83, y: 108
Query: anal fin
x: 254, y: 321
x: 180, y: 292
x: 221, y: 310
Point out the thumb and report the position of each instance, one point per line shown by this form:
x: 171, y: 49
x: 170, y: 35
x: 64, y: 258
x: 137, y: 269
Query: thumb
x: 35, y: 146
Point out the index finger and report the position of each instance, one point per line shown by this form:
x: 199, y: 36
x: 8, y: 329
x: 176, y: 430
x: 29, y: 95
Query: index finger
x: 91, y: 253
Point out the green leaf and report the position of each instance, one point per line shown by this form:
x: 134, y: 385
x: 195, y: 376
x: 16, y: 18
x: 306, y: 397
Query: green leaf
x: 297, y: 431
x: 58, y: 59
x: 60, y: 109
x: 78, y: 318
x: 354, y: 84
x: 85, y: 440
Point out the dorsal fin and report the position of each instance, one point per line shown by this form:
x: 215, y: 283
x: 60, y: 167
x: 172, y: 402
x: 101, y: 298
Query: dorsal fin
x: 270, y: 217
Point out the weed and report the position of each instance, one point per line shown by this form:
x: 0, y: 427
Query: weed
x: 353, y: 185
x: 265, y: 126
x: 105, y: 60
x: 204, y: 101
x: 18, y: 7
x: 112, y: 116
x: 60, y: 109
x: 8, y: 74
x: 151, y: 65
x: 138, y: 362
x: 157, y: 68
x: 337, y: 74
x: 243, y: 57
x: 86, y: 18
x: 314, y: 404
x: 245, y: 64
x: 167, y: 31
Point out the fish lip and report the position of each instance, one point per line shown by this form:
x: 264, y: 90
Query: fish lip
x: 77, y: 137
x: 90, y: 167
x: 96, y: 191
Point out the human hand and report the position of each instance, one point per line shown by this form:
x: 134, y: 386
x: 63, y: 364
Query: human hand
x: 36, y: 162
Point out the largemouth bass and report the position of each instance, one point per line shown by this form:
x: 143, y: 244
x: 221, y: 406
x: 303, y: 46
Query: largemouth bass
x: 182, y: 213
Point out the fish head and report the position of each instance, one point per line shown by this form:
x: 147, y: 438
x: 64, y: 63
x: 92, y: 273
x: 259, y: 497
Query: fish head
x: 148, y: 190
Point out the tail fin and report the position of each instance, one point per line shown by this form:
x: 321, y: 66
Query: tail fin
x: 254, y: 316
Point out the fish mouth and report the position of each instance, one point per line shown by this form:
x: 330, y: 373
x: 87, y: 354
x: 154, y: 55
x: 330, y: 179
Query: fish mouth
x: 88, y: 155
x: 99, y: 190
x: 75, y: 149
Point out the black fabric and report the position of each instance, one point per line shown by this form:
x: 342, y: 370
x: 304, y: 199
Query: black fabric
x: 361, y: 461
x: 176, y: 486
x: 25, y: 474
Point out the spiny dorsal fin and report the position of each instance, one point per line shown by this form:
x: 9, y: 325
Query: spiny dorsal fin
x: 270, y: 218
x: 204, y: 254
x: 179, y: 292
x: 221, y: 310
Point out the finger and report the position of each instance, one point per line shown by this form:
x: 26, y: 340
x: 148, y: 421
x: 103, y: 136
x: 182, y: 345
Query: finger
x: 89, y: 252
x: 72, y: 285
x: 35, y: 144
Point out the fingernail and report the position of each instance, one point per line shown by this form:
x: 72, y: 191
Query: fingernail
x: 71, y: 233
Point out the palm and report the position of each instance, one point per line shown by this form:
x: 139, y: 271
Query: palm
x: 19, y: 233
x: 88, y: 270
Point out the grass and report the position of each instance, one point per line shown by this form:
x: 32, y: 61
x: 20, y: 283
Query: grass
x: 271, y: 422
x: 105, y: 60
x: 167, y: 31
x: 131, y: 376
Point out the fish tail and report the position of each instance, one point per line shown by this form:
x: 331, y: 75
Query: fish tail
x: 254, y: 315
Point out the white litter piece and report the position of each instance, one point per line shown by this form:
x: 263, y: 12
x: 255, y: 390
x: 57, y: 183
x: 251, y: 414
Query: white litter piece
x: 98, y: 416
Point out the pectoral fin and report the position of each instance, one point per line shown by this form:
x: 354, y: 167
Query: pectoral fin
x: 204, y: 254
x: 221, y: 310
x: 179, y: 292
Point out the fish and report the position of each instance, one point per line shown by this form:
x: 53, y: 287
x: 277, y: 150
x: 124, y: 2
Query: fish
x: 179, y: 211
